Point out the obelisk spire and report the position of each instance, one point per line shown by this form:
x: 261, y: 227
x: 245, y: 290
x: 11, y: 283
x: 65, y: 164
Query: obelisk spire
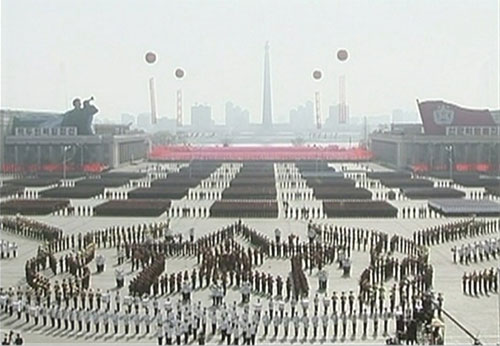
x: 267, y: 112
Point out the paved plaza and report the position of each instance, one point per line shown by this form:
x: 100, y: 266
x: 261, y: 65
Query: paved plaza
x: 479, y: 315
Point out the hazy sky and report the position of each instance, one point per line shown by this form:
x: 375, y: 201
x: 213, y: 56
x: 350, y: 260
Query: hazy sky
x: 399, y: 50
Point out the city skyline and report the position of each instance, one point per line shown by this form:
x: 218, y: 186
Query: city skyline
x: 419, y: 51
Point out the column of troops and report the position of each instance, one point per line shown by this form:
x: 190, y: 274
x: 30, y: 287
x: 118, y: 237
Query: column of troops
x: 183, y: 322
x: 478, y: 251
x: 480, y: 282
x: 142, y: 283
x: 454, y: 231
x: 30, y: 228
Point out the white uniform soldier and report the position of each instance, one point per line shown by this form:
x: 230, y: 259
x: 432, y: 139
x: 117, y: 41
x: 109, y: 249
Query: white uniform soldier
x: 117, y: 300
x: 322, y: 280
x: 73, y: 317
x: 186, y: 292
x: 236, y: 331
x: 156, y: 306
x: 145, y: 304
x: 277, y: 236
x: 296, y: 324
x: 120, y: 278
x: 271, y: 307
x: 100, y: 260
x: 276, y: 322
x: 326, y: 304
x: 137, y: 322
x: 43, y: 314
x: 159, y: 333
x: 286, y: 324
x: 245, y: 292
x: 335, y: 321
x: 219, y: 294
x: 315, y: 323
x: 305, y: 305
x: 386, y: 316
x: 311, y: 234
x: 3, y: 302
x: 213, y: 319
x: 204, y: 321
x: 81, y: 319
x: 106, y: 300
x: 258, y: 309
x: 167, y: 304
x: 34, y: 313
x: 191, y: 235
x: 105, y: 317
x: 305, y: 322
x: 126, y: 321
x: 266, y: 321
x: 127, y: 302
x: 88, y: 319
x: 324, y: 322
x: 96, y: 318
x: 281, y: 308
x: 115, y: 321
x: 148, y: 319
x: 17, y: 307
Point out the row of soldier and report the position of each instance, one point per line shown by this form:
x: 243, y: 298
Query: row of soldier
x: 478, y: 251
x: 30, y: 228
x: 191, y: 321
x: 455, y: 231
x: 8, y: 249
x: 480, y: 282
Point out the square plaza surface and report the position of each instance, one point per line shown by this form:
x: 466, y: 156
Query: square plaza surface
x: 479, y: 315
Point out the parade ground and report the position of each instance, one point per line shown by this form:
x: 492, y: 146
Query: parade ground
x: 478, y: 315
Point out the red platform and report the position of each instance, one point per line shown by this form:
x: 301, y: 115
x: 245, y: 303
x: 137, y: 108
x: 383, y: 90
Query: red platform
x: 249, y: 153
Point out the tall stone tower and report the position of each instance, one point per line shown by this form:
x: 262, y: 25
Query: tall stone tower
x: 267, y: 109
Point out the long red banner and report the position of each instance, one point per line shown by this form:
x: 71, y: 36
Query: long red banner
x: 186, y: 153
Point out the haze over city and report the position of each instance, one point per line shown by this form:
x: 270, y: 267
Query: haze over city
x: 399, y: 51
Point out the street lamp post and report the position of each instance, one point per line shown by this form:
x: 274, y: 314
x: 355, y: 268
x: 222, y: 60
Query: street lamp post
x: 449, y: 150
x: 65, y: 148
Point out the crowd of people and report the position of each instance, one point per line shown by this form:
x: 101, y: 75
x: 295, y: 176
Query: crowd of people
x: 223, y: 262
x: 183, y: 321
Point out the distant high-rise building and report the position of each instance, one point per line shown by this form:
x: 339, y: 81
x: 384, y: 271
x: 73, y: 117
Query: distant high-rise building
x: 334, y: 115
x: 128, y: 119
x: 144, y: 121
x: 166, y: 124
x: 401, y: 116
x: 201, y: 117
x: 236, y: 117
x: 343, y: 114
x: 267, y: 112
x: 302, y: 117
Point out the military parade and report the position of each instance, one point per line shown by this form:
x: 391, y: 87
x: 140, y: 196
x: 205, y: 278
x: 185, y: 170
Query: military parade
x: 395, y: 295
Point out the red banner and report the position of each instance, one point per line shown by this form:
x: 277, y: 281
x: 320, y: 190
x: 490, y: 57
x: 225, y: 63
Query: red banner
x: 248, y: 153
x: 94, y: 167
x: 437, y: 115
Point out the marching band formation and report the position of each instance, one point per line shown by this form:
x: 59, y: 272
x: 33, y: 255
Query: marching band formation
x: 394, y: 297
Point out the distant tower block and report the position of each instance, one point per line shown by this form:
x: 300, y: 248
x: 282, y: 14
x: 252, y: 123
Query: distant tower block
x: 343, y: 110
x: 179, y: 107
x: 267, y: 112
x: 152, y: 96
x: 318, y: 110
